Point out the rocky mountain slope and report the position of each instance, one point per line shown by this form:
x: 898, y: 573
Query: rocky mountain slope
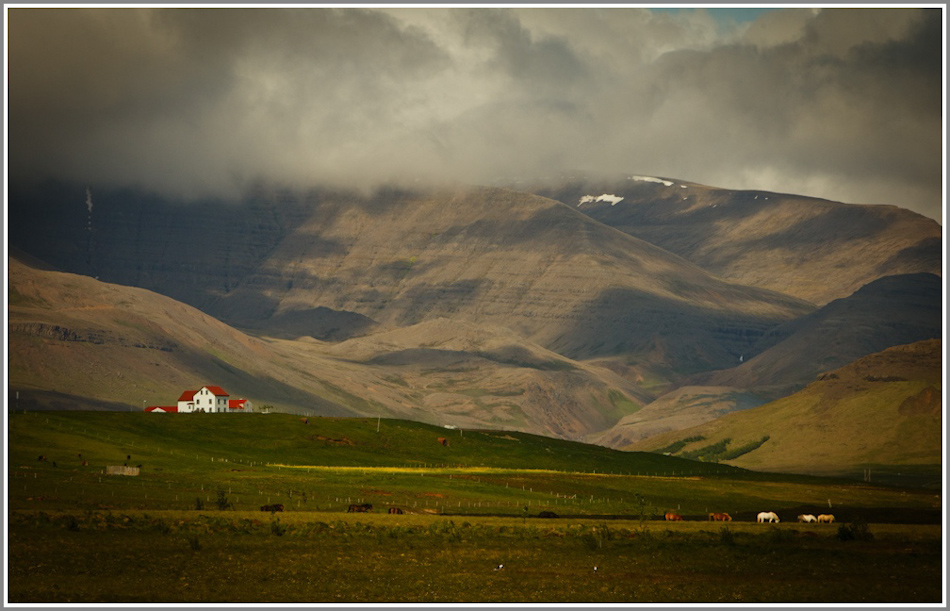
x: 332, y: 266
x: 500, y: 257
x: 883, y: 409
x: 810, y: 248
x: 891, y: 311
x: 76, y: 342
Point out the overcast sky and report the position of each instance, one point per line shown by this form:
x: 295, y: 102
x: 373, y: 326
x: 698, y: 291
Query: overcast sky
x: 843, y: 104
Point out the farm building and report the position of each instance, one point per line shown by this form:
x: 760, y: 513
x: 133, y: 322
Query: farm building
x: 209, y: 399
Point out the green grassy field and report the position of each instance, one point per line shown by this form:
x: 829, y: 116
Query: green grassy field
x: 189, y: 528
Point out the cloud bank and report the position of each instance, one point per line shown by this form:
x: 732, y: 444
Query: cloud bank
x: 837, y: 103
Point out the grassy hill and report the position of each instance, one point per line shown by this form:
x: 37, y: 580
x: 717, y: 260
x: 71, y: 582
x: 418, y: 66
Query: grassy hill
x: 324, y: 464
x: 882, y: 412
x: 469, y: 509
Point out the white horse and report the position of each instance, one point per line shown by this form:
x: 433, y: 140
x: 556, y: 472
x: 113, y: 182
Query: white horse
x: 826, y: 517
x: 768, y: 516
x: 807, y: 517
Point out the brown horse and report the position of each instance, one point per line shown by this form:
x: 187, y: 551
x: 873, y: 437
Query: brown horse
x: 272, y: 508
x: 365, y: 507
x: 720, y: 517
x: 673, y: 517
x: 395, y: 510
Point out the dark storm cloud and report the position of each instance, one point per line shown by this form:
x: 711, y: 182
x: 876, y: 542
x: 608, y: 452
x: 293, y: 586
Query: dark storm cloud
x: 844, y: 104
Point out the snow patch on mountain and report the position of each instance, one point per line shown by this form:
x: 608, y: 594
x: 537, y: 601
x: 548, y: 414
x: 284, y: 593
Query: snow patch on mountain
x: 613, y: 199
x: 652, y: 179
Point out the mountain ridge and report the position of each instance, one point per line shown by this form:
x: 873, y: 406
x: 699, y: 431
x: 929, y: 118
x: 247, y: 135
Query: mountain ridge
x: 761, y: 238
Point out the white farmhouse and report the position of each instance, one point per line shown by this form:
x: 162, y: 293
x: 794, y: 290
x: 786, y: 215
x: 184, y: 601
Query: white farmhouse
x: 209, y: 399
x: 213, y: 399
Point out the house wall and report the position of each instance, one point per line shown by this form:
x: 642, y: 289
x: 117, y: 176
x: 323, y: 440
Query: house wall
x: 207, y: 401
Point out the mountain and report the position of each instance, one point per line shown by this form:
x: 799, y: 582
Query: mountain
x: 79, y: 343
x: 645, y: 303
x: 74, y: 340
x: 810, y: 248
x: 883, y: 409
x: 888, y: 312
x: 891, y: 311
x: 281, y: 265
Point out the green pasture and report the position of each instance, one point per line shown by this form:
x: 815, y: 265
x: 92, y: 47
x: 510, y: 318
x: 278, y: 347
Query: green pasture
x: 189, y: 527
x: 190, y: 557
x: 326, y: 464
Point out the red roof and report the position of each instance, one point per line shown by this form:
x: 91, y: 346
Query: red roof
x: 188, y: 395
x: 236, y: 403
x: 217, y: 391
x: 162, y: 408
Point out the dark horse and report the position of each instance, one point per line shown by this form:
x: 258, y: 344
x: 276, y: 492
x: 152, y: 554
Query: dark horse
x: 272, y: 508
x: 395, y: 510
x: 360, y: 508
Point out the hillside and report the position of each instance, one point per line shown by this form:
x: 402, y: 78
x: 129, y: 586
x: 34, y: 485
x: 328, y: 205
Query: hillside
x: 336, y: 265
x: 74, y: 339
x: 813, y: 249
x: 892, y: 311
x: 478, y: 307
x: 685, y: 407
x: 884, y: 409
x: 508, y: 259
x: 76, y: 342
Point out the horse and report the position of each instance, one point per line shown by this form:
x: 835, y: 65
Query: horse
x: 673, y: 517
x: 395, y: 510
x: 272, y: 508
x: 826, y: 518
x: 720, y: 517
x: 807, y: 518
x: 365, y: 507
x: 547, y: 514
x: 768, y: 516
x: 443, y: 441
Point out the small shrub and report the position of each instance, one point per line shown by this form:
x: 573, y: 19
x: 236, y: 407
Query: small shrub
x: 276, y: 528
x: 726, y: 536
x: 779, y: 535
x: 71, y: 523
x: 222, y: 501
x: 194, y: 543
x: 856, y: 531
x: 162, y: 526
x: 199, y: 505
x: 592, y: 541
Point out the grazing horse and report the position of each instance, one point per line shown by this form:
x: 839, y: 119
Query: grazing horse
x: 443, y: 441
x: 395, y: 510
x: 673, y: 517
x: 720, y: 517
x: 547, y: 514
x: 826, y: 518
x: 767, y: 516
x: 365, y: 507
x: 272, y: 508
x: 807, y: 518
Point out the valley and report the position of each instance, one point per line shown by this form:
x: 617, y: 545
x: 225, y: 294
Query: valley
x: 605, y: 319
